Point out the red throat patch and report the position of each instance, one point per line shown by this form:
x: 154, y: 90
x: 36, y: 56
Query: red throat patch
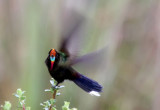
x: 52, y: 63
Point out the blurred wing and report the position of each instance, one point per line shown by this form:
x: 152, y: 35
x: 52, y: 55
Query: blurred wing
x: 71, y: 33
x: 92, y: 61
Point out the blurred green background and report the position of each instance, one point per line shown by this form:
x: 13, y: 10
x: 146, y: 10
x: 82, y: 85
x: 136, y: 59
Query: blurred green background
x: 129, y: 73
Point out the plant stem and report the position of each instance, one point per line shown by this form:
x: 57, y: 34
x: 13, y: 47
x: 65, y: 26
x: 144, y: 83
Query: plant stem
x: 24, y: 107
x: 54, y: 94
x: 54, y: 97
x: 50, y: 108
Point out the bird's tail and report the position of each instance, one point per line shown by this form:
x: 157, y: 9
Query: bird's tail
x: 88, y: 85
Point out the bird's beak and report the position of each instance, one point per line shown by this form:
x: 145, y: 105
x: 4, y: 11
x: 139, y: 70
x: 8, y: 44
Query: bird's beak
x: 52, y: 58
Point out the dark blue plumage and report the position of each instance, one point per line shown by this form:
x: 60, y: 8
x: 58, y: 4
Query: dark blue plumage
x: 87, y: 84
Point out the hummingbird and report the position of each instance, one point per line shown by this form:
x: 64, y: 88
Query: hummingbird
x: 59, y: 64
x: 60, y: 69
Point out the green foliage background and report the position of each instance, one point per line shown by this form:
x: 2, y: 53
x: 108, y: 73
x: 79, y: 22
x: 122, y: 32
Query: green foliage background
x: 129, y: 28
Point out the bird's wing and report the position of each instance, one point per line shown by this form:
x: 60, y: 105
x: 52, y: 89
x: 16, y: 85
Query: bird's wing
x: 71, y: 33
x: 95, y: 60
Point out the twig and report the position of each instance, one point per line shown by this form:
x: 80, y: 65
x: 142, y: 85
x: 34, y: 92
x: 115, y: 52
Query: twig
x: 54, y: 97
x: 54, y: 94
x: 50, y: 108
x: 24, y: 107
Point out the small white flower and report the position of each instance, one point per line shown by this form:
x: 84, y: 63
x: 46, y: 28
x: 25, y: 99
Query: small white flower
x: 47, y: 90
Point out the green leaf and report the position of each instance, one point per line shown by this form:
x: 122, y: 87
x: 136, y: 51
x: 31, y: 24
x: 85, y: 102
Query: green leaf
x: 19, y: 92
x: 53, y: 108
x: 74, y: 109
x: 28, y: 108
x: 52, y: 89
x: 7, y: 105
x: 52, y: 101
x: 23, y: 97
x: 65, y: 108
x: 66, y: 105
x: 53, y: 82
